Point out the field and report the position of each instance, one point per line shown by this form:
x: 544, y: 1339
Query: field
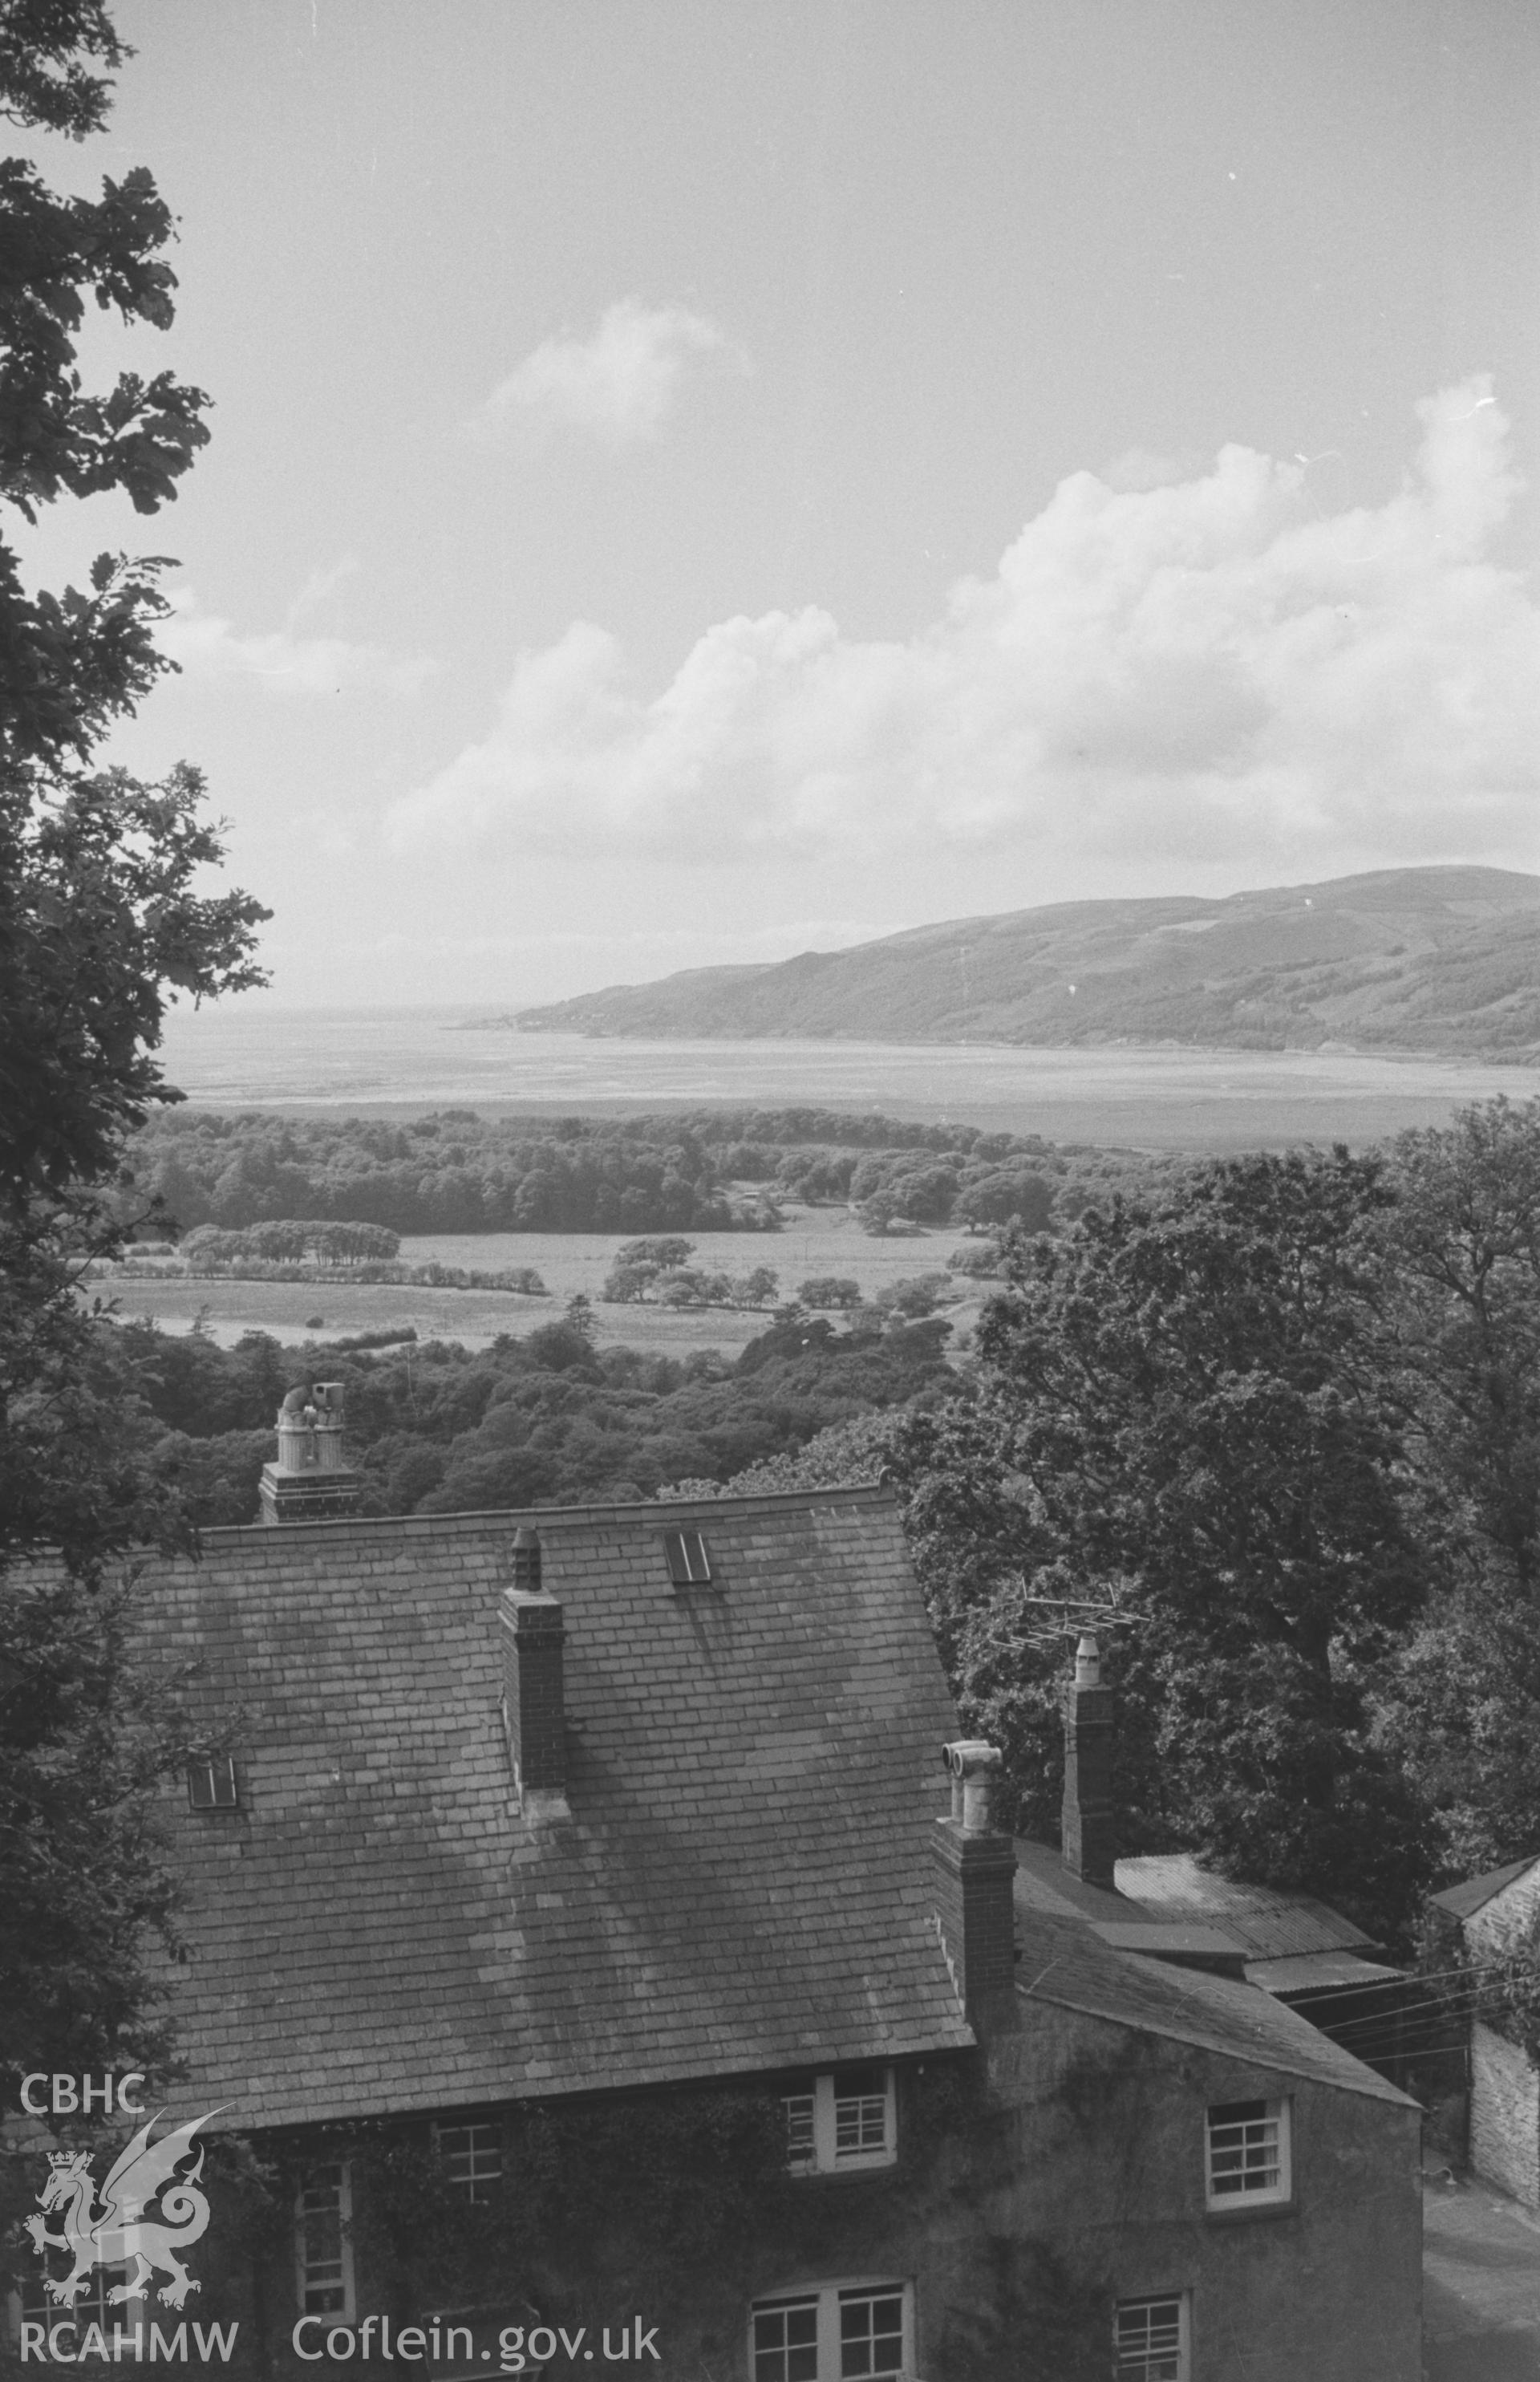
x: 815, y: 1241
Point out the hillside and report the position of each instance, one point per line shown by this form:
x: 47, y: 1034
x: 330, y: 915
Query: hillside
x: 1415, y: 959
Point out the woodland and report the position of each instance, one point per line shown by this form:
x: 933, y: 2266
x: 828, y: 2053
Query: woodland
x: 540, y: 1419
x: 453, y: 1170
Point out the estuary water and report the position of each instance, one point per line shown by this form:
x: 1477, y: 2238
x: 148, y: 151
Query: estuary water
x: 249, y: 1054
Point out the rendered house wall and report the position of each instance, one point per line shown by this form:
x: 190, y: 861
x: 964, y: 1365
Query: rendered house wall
x: 1109, y: 2162
x: 1026, y: 2200
x: 890, y: 2223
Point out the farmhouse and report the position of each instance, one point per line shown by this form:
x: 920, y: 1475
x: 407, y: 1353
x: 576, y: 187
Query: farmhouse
x: 589, y: 1939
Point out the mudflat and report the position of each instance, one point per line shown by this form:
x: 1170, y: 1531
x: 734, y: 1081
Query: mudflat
x: 249, y: 1054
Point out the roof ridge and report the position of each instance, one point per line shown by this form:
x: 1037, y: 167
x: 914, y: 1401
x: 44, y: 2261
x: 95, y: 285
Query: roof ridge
x: 556, y: 1516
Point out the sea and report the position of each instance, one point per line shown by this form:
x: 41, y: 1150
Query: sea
x: 251, y: 1054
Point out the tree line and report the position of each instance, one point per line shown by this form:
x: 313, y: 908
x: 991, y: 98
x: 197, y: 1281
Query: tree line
x: 301, y: 1249
x: 292, y: 1240
x: 455, y: 1171
x: 448, y: 1172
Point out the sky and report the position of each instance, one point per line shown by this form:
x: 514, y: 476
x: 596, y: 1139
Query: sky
x: 695, y: 483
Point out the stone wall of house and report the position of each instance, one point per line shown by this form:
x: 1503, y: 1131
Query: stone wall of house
x: 1505, y: 2114
x: 1499, y: 1924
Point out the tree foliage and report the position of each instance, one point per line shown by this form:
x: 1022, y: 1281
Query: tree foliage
x: 293, y: 1239
x: 101, y: 921
x: 87, y: 1736
x: 1006, y: 1198
x: 1289, y: 1413
x: 542, y: 1418
x: 1464, y: 1239
x: 47, y: 49
x: 1181, y: 1404
x: 98, y: 915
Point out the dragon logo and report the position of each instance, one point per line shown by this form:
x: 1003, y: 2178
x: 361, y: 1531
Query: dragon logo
x: 118, y: 2232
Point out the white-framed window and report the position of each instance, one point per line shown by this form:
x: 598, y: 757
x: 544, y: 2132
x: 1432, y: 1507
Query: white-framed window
x: 1150, y: 2339
x: 833, y: 2332
x: 842, y: 2121
x: 211, y: 1786
x: 801, y: 2136
x: 324, y: 2241
x: 473, y: 2158
x: 1249, y: 2163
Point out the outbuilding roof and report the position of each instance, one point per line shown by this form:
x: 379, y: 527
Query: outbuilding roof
x: 1268, y: 1925
x: 1313, y: 1972
x: 1043, y: 1883
x: 1064, y: 1960
x: 752, y: 1772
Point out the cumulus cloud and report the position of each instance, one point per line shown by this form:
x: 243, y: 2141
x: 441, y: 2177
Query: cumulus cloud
x: 1208, y: 670
x: 618, y: 385
x: 1138, y: 468
x: 206, y: 645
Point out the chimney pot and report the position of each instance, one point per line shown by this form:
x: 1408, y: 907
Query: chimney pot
x: 975, y: 1768
x: 311, y: 1479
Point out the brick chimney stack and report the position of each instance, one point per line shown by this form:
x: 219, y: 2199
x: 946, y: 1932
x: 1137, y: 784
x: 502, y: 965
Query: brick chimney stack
x: 312, y: 1481
x: 533, y: 1636
x: 974, y: 1884
x: 1087, y: 1839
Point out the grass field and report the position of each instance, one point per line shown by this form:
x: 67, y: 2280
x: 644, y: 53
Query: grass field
x: 815, y: 1241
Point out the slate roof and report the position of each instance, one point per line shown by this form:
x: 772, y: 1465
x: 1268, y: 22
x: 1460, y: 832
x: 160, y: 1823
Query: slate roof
x: 1064, y: 1960
x: 1268, y: 1925
x: 1203, y: 1948
x: 1463, y: 1900
x: 1043, y: 1883
x: 752, y: 1774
